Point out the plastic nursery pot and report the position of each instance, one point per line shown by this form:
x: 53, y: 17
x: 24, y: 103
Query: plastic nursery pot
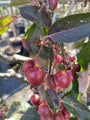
x: 15, y: 41
x: 11, y: 51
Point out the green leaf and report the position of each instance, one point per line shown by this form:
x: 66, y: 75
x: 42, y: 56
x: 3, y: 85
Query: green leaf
x: 76, y: 108
x: 5, y: 21
x: 19, y: 2
x: 73, y: 118
x: 36, y: 14
x: 79, y: 43
x: 74, y: 92
x: 62, y: 47
x: 83, y: 57
x: 32, y: 34
x: 22, y: 110
x: 61, y: 67
x: 79, y: 97
x: 3, y: 102
x: 44, y: 52
x: 44, y: 31
x: 70, y: 22
x: 15, y: 117
x: 75, y: 89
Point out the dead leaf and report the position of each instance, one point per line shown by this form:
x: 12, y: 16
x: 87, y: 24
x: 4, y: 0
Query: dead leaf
x: 84, y: 81
x: 42, y: 63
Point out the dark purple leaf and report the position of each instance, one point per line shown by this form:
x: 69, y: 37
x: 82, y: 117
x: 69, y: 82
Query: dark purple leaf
x: 52, y: 99
x: 70, y: 22
x: 71, y: 35
x: 76, y: 108
x: 32, y: 34
x: 36, y: 14
x: 44, y: 52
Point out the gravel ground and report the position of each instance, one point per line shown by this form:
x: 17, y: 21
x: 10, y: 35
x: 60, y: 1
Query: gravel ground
x: 12, y: 89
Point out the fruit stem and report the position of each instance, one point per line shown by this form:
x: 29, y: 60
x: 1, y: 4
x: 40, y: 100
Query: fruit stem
x: 50, y: 66
x: 42, y: 94
x: 56, y: 68
x: 56, y: 46
x: 54, y: 59
x: 35, y: 3
x: 38, y: 54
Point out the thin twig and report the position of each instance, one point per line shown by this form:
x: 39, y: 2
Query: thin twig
x: 70, y: 8
x: 13, y: 59
x: 12, y: 73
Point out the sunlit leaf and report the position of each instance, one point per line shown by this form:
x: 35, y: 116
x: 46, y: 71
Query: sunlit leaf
x: 15, y: 117
x: 32, y: 34
x: 61, y: 67
x: 5, y: 21
x: 83, y: 57
x: 44, y: 31
x: 19, y: 2
x: 22, y: 110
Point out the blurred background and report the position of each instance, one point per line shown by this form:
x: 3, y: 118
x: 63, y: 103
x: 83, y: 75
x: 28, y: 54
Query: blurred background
x: 11, y: 88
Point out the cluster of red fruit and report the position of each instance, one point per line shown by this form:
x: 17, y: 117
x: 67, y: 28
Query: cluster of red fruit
x: 62, y: 78
x: 3, y: 111
x: 69, y: 59
x: 35, y: 75
x: 52, y: 80
x: 46, y: 113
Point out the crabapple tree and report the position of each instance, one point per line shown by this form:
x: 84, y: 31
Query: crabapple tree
x: 56, y: 87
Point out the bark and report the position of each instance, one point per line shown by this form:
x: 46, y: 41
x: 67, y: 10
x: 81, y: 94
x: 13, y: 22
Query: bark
x: 12, y: 73
x: 13, y: 59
